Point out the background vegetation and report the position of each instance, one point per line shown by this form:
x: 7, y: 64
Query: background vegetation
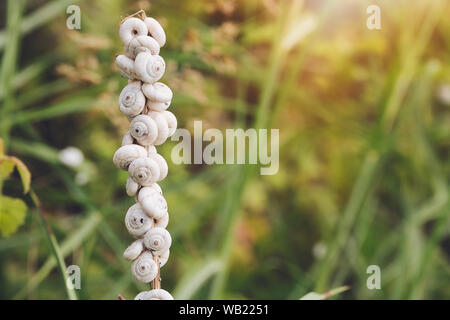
x: 364, y: 148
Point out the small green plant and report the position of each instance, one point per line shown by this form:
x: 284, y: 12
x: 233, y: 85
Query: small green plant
x: 12, y: 210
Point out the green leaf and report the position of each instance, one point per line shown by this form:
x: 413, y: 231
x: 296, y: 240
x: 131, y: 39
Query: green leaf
x: 326, y: 295
x: 6, y: 167
x: 24, y: 173
x: 2, y: 148
x: 12, y: 214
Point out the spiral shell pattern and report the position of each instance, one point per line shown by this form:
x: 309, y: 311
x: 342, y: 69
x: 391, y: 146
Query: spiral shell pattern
x: 157, y: 240
x: 149, y: 68
x: 126, y: 154
x: 144, y: 171
x: 137, y: 221
x: 132, y: 28
x: 131, y: 99
x: 144, y: 268
x: 144, y: 101
x: 144, y: 129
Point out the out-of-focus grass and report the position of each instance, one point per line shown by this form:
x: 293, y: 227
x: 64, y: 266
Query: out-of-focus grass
x: 364, y: 140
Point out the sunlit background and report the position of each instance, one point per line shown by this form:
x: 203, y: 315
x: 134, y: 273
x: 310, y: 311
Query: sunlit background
x: 364, y: 149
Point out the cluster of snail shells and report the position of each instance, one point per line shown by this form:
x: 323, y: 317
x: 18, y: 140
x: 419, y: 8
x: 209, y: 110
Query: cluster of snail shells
x: 144, y: 101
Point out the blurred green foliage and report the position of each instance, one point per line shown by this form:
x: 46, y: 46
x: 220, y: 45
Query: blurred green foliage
x: 364, y: 144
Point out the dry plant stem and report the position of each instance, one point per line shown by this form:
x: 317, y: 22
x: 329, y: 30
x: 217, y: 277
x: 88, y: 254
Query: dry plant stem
x: 156, y: 283
x: 140, y: 14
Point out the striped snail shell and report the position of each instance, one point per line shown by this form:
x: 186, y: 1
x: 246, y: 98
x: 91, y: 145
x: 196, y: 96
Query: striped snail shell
x: 159, y: 96
x: 137, y: 222
x: 134, y: 250
x: 131, y: 187
x: 125, y: 66
x: 163, y: 168
x: 132, y: 28
x: 155, y: 30
x: 163, y: 257
x: 127, y: 139
x: 154, y: 294
x: 144, y: 171
x: 152, y: 203
x: 163, y: 222
x: 127, y: 154
x: 157, y: 240
x: 131, y: 99
x: 171, y: 122
x: 144, y: 269
x: 140, y: 44
x: 163, y: 128
x: 144, y: 129
x: 149, y: 68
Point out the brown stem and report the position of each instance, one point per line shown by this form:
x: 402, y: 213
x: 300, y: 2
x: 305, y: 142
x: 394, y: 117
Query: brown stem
x: 156, y: 283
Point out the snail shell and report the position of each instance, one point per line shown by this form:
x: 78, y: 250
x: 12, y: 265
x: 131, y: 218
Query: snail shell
x: 157, y: 240
x: 163, y: 127
x: 137, y: 222
x: 149, y: 68
x: 163, y: 168
x: 132, y: 28
x: 131, y: 187
x: 134, y: 250
x: 155, y: 30
x: 151, y: 150
x: 144, y: 129
x: 152, y: 203
x: 125, y: 66
x: 144, y: 269
x: 157, y: 188
x: 154, y: 294
x: 144, y: 171
x: 131, y: 99
x: 171, y: 122
x: 127, y: 154
x: 159, y: 96
x: 142, y: 44
x: 163, y: 222
x: 163, y: 257
x: 127, y: 139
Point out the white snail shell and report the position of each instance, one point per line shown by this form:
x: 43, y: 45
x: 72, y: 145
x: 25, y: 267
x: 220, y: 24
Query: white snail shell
x: 171, y: 122
x: 152, y: 203
x: 131, y: 187
x: 159, y: 96
x: 137, y: 221
x: 127, y: 139
x: 163, y: 257
x: 142, y: 44
x: 149, y: 68
x: 151, y: 150
x: 157, y: 240
x: 144, y: 171
x: 155, y: 30
x: 144, y: 129
x: 163, y: 168
x: 163, y: 222
x: 144, y: 269
x: 132, y: 28
x: 127, y: 154
x: 157, y: 188
x: 131, y: 99
x: 154, y: 294
x: 125, y: 66
x: 163, y: 127
x: 134, y: 250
